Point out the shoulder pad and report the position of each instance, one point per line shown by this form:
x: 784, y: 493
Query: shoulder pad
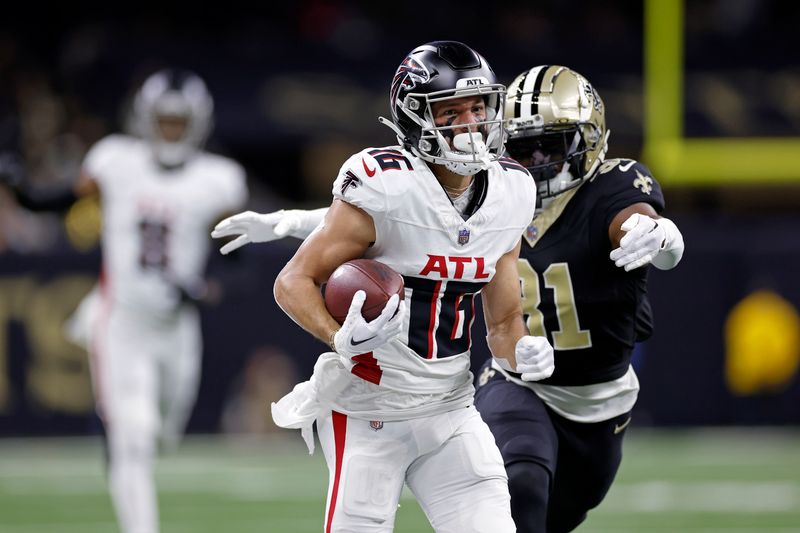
x: 387, y: 159
x: 360, y: 180
x: 230, y: 181
x: 509, y: 164
x: 621, y: 165
x: 628, y: 171
x: 224, y: 166
x: 112, y: 144
x: 106, y: 151
x: 627, y: 181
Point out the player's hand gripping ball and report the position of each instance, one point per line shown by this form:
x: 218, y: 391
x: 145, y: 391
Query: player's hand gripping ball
x: 377, y: 280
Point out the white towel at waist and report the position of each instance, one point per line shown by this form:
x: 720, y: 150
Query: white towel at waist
x: 301, y: 407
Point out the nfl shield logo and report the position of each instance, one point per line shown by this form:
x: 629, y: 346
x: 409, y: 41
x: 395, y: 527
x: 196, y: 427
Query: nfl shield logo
x: 532, y: 232
x: 463, y: 236
x: 376, y: 424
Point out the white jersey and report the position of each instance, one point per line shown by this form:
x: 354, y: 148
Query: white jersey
x: 445, y: 262
x: 155, y: 222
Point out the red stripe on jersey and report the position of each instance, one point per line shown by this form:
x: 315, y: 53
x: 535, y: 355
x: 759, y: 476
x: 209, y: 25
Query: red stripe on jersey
x: 457, y: 320
x: 469, y: 327
x: 339, y: 433
x: 432, y: 324
x: 367, y: 368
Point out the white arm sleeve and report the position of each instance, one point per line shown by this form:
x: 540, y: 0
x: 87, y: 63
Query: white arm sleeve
x: 308, y: 220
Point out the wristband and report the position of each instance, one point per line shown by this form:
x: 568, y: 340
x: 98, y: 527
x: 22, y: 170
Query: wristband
x: 503, y: 363
x: 332, y: 340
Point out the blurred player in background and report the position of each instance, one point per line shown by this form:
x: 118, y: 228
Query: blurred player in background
x: 583, y: 267
x: 159, y: 193
x: 393, y: 399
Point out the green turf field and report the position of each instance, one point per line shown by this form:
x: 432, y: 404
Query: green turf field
x: 696, y: 481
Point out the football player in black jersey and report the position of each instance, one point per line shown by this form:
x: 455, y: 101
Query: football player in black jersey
x: 583, y: 267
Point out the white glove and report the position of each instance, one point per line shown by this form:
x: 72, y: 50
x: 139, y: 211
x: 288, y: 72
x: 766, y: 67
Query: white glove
x: 256, y: 227
x: 535, y: 359
x: 641, y: 244
x: 357, y: 336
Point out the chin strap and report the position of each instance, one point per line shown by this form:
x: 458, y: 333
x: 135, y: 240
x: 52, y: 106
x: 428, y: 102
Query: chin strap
x: 401, y: 138
x: 392, y: 126
x: 464, y: 168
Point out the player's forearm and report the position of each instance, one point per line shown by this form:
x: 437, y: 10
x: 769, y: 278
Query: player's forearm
x: 502, y: 338
x: 300, y: 298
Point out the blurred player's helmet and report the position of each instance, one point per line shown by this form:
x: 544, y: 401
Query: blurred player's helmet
x: 173, y: 110
x: 556, y: 128
x: 437, y: 72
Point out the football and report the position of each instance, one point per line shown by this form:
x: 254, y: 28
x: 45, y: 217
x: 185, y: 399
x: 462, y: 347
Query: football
x: 377, y: 280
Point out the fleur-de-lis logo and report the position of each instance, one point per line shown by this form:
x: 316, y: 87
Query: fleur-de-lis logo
x: 645, y: 183
x: 487, y: 373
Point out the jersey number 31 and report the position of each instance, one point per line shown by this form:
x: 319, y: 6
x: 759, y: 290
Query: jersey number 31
x: 569, y: 336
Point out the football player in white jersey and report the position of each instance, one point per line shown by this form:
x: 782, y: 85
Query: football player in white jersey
x: 561, y: 438
x: 393, y: 398
x: 159, y: 193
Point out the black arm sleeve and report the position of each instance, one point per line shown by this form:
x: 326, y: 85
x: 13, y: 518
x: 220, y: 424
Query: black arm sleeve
x: 45, y: 199
x: 13, y: 175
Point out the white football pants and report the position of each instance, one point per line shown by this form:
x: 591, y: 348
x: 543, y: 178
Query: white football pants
x: 449, y: 461
x: 145, y: 372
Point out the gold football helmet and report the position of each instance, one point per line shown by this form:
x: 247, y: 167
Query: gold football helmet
x: 556, y: 127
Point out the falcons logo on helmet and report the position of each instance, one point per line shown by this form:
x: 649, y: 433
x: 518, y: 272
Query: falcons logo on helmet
x: 409, y: 73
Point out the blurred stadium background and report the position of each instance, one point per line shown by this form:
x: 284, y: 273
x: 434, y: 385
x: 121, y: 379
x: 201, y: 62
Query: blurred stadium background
x: 705, y: 92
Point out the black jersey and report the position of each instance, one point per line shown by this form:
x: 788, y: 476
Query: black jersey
x: 592, y: 311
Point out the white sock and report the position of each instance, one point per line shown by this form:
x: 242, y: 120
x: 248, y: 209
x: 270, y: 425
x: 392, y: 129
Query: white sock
x: 132, y: 487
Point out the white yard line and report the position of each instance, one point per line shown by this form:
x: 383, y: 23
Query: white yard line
x: 703, y: 496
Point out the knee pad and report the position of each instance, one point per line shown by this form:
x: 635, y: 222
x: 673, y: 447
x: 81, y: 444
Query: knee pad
x: 529, y: 484
x: 132, y: 438
x: 371, y: 489
x: 129, y: 445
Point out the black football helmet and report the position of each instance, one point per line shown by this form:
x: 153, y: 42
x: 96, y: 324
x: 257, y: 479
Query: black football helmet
x: 556, y: 128
x: 436, y: 72
x: 178, y: 94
